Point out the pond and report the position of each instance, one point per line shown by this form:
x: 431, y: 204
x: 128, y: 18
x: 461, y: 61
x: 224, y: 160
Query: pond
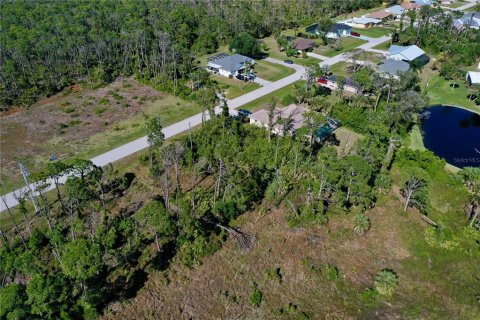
x: 453, y: 134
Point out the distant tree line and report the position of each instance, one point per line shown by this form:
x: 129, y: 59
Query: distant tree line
x: 48, y: 45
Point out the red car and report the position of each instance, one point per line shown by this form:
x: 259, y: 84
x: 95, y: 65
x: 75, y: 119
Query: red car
x: 355, y: 34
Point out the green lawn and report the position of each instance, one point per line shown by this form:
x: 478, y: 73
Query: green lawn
x: 474, y: 8
x: 454, y: 5
x: 274, y: 52
x: 278, y: 94
x: 440, y: 92
x: 271, y: 71
x: 341, y: 69
x: 383, y: 46
x: 375, y: 32
x: 416, y: 139
x: 234, y: 88
x: 348, y: 43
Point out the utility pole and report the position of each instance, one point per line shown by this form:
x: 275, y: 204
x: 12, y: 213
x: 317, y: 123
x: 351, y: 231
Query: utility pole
x: 25, y: 174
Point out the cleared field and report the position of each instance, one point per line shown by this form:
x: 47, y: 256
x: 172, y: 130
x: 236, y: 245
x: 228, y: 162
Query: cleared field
x: 348, y: 43
x: 233, y: 88
x: 376, y: 32
x: 271, y: 71
x: 82, y: 123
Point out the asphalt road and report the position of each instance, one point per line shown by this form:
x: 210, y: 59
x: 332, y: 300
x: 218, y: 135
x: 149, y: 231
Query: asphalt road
x: 184, y: 125
x: 172, y: 130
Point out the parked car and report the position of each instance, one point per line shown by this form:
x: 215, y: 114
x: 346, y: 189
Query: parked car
x: 288, y: 61
x: 242, y: 114
x: 355, y: 34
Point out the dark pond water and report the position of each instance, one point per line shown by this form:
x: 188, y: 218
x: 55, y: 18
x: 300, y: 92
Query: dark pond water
x: 453, y: 134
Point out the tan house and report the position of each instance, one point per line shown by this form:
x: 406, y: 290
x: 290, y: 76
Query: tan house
x: 381, y: 15
x: 282, y: 121
x: 334, y: 83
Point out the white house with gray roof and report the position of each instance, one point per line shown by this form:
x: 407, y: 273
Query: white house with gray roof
x: 229, y: 65
x: 407, y: 53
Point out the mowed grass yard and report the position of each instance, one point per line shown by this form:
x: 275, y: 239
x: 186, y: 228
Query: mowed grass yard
x: 440, y: 91
x: 274, y: 52
x: 348, y: 44
x: 271, y: 71
x: 233, y: 88
x: 341, y: 69
x: 383, y: 46
x: 375, y: 32
x: 82, y: 124
x: 278, y: 94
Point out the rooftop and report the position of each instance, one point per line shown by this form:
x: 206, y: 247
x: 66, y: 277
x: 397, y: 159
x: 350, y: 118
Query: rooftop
x: 365, y: 20
x: 382, y: 14
x: 303, y: 44
x: 231, y: 63
x: 336, y: 27
x: 474, y: 76
x: 409, y: 53
x: 293, y: 112
x: 396, y: 9
x: 393, y: 67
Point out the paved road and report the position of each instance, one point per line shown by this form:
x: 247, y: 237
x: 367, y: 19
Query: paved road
x: 467, y: 5
x: 174, y: 129
x: 182, y: 126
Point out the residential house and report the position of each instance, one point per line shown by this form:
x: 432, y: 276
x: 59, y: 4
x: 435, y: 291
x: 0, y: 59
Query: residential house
x: 391, y: 68
x: 383, y: 15
x: 283, y: 120
x: 469, y: 20
x: 363, y: 22
x: 407, y: 53
x: 473, y: 77
x: 396, y: 11
x: 229, y: 65
x: 334, y: 83
x: 302, y: 44
x: 411, y: 6
x: 337, y: 30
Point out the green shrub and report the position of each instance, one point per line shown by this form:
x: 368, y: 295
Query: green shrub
x: 273, y: 274
x: 386, y: 282
x: 289, y: 99
x: 99, y: 111
x: 103, y: 101
x: 361, y: 223
x: 256, y: 296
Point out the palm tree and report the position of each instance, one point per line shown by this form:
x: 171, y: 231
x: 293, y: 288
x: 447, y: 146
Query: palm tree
x: 361, y: 223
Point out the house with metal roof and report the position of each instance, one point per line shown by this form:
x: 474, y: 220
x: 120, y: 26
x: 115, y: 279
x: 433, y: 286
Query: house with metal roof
x: 469, y: 20
x: 391, y: 68
x: 407, y: 54
x: 473, y: 77
x: 229, y: 65
x: 396, y: 10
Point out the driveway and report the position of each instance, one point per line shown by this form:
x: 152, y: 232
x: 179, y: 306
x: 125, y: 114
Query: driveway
x: 174, y: 129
